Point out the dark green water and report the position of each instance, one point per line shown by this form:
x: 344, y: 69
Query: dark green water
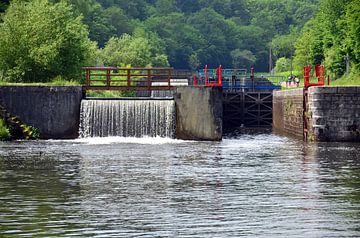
x: 253, y: 186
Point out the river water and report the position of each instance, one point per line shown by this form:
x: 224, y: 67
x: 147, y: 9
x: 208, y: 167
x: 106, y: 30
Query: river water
x: 259, y: 185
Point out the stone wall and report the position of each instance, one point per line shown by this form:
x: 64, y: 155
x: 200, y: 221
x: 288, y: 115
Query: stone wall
x: 288, y: 112
x: 54, y: 110
x: 334, y: 113
x: 199, y: 113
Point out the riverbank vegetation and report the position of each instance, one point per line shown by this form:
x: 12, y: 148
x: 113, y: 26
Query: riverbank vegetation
x: 44, y: 39
x: 4, y: 131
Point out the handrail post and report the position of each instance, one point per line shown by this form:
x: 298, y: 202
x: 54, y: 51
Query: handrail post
x: 252, y: 76
x: 128, y: 79
x: 108, y: 77
x: 169, y: 77
x: 307, y: 76
x: 220, y: 75
x: 149, y: 79
x: 87, y: 77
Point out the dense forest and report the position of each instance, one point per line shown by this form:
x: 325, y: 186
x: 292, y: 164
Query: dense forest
x: 43, y: 39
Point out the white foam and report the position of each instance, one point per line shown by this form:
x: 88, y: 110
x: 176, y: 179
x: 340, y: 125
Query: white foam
x: 129, y: 140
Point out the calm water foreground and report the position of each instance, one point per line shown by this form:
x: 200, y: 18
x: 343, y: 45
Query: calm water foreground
x: 251, y: 185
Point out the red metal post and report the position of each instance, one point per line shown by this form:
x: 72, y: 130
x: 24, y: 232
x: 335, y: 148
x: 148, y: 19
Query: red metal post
x: 195, y: 82
x: 87, y: 77
x: 320, y: 71
x: 219, y: 74
x: 108, y: 77
x: 169, y: 77
x: 128, y: 77
x: 149, y: 79
x: 307, y: 70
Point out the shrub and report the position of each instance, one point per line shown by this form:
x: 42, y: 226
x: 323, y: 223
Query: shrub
x: 4, y: 131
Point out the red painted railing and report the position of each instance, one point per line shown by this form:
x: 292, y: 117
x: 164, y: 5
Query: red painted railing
x: 215, y: 80
x: 319, y: 72
x: 112, y: 78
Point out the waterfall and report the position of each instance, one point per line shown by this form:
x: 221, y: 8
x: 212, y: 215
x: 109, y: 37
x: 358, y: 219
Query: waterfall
x: 127, y: 118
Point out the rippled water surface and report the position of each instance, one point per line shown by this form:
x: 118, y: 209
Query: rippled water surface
x: 252, y: 185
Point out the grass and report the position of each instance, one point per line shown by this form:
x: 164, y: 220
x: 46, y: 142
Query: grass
x: 351, y: 80
x: 57, y: 81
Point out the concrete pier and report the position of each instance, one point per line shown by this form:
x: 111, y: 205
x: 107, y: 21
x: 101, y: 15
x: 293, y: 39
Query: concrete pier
x: 332, y: 113
x: 199, y: 113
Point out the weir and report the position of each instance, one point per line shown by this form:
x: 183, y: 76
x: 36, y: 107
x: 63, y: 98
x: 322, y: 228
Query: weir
x: 127, y: 118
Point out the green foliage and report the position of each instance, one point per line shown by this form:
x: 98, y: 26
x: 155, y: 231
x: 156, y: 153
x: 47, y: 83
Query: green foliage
x: 136, y: 51
x: 183, y: 34
x: 242, y: 59
x: 284, y: 45
x: 4, y: 131
x: 282, y: 65
x: 41, y: 40
x: 331, y: 37
x: 352, y: 33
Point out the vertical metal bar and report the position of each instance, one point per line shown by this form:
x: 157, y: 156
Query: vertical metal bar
x: 88, y: 77
x: 307, y: 76
x: 220, y: 75
x: 108, y: 77
x: 168, y: 79
x: 195, y: 82
x: 149, y: 79
x: 252, y: 78
x: 128, y: 79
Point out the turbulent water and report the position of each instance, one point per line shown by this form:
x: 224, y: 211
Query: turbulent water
x: 249, y: 185
x: 127, y: 118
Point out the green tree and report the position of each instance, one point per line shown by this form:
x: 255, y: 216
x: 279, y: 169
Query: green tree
x: 283, y: 45
x: 40, y: 40
x: 282, y: 65
x: 352, y: 33
x: 181, y: 40
x: 131, y: 50
x: 302, y: 50
x: 242, y: 58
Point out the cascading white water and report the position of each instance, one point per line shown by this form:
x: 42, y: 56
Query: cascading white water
x: 127, y: 118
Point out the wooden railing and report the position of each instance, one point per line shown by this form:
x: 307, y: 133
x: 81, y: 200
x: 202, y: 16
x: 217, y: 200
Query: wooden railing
x: 137, y: 79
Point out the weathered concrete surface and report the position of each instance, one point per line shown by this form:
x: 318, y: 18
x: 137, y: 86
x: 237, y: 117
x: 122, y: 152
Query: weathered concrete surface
x: 199, y: 113
x: 288, y: 112
x: 54, y: 110
x: 334, y: 113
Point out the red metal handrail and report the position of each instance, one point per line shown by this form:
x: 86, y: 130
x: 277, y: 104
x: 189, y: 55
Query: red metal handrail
x: 113, y: 78
x: 319, y: 72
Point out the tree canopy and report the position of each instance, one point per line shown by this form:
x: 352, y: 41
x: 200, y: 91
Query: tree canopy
x: 40, y: 40
x: 182, y: 34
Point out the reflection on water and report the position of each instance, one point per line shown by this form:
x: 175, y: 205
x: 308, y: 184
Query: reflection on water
x: 252, y: 185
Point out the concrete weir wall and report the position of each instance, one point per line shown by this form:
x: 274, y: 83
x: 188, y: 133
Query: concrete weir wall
x: 333, y: 113
x: 199, y: 113
x: 55, y: 111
